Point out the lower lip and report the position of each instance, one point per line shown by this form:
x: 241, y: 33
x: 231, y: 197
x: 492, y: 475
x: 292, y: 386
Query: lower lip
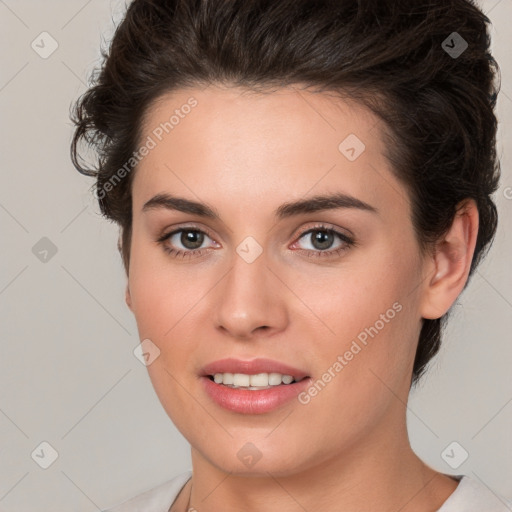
x: 248, y: 401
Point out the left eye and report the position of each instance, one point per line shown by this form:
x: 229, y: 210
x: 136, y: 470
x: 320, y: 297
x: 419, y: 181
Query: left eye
x: 323, y: 238
x: 191, y: 239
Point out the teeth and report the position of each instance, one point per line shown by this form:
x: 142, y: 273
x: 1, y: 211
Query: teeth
x: 258, y: 381
x: 239, y: 379
x: 274, y: 379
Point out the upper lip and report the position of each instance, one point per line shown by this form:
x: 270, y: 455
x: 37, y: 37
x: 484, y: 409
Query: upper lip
x: 252, y: 367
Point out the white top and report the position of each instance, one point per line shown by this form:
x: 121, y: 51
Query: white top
x: 469, y: 496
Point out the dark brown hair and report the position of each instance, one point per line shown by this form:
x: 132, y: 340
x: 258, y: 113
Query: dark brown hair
x: 405, y: 61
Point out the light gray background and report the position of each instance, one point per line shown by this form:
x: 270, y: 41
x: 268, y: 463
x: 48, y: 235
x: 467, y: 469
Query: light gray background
x: 67, y: 370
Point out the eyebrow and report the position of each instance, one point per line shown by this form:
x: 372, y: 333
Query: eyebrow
x: 310, y: 205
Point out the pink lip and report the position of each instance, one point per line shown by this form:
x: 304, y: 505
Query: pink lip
x: 252, y: 367
x: 246, y: 401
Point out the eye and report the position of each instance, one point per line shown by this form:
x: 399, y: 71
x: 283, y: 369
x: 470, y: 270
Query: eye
x: 323, y: 238
x: 191, y: 239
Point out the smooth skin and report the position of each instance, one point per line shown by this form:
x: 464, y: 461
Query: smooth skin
x: 245, y: 154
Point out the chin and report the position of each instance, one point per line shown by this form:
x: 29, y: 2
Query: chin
x: 247, y: 459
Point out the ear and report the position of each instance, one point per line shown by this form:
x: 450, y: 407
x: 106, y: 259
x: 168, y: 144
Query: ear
x: 450, y: 263
x: 128, y: 297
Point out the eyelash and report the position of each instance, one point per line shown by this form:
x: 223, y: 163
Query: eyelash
x: 348, y: 242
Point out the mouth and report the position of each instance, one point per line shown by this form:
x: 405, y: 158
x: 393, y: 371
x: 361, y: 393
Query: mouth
x: 252, y: 387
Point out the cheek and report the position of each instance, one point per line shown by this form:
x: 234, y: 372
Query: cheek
x: 366, y: 316
x: 166, y: 300
x: 161, y: 293
x: 366, y: 363
x: 345, y: 302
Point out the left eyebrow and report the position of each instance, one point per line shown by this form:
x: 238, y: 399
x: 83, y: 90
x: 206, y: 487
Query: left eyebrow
x: 321, y: 203
x: 309, y: 205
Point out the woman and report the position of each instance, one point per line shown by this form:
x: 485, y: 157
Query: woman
x: 303, y: 191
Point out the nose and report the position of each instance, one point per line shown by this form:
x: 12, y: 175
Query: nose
x: 250, y: 301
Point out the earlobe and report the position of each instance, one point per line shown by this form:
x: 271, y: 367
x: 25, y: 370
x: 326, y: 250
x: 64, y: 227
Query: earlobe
x: 451, y: 262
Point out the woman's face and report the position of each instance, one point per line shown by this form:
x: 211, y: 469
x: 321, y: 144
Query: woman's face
x: 347, y: 315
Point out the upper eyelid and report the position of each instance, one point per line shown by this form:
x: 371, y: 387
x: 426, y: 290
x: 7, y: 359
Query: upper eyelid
x: 326, y: 227
x: 188, y: 228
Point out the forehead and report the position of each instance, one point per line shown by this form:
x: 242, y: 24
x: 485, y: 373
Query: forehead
x: 250, y: 146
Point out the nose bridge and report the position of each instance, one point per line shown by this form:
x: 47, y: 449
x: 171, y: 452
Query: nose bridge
x: 247, y: 299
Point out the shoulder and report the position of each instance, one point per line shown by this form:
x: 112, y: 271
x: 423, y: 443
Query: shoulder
x: 473, y: 496
x: 157, y: 499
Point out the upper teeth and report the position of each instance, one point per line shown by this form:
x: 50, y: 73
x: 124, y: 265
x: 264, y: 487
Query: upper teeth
x: 258, y: 380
